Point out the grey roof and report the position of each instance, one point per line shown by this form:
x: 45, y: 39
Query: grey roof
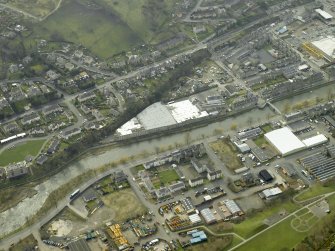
x: 321, y: 166
x: 41, y: 159
x: 79, y: 245
x: 208, y: 215
x: 177, y: 186
x: 232, y: 206
x: 187, y: 203
x: 89, y: 195
x: 251, y: 133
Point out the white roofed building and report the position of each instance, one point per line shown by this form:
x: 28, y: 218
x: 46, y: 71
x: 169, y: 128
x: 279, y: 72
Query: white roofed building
x: 270, y: 192
x: 325, y: 15
x: 284, y: 141
x: 315, y: 140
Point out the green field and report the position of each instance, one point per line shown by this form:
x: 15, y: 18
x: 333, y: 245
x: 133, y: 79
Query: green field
x: 145, y: 24
x: 314, y: 191
x: 98, y: 29
x: 283, y: 236
x: 279, y: 237
x: 254, y: 224
x: 107, y: 27
x: 168, y: 176
x: 38, y: 8
x: 21, y: 151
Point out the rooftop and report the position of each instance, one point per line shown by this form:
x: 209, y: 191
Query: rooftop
x: 324, y: 14
x: 326, y: 45
x: 185, y: 110
x: 284, y: 141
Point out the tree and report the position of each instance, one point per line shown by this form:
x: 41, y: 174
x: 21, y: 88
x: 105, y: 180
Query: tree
x: 233, y: 127
x: 287, y: 108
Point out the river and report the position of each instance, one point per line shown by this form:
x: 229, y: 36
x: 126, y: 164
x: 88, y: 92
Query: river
x: 28, y: 207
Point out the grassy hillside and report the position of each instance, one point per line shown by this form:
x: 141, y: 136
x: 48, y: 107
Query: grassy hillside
x: 144, y: 17
x: 38, y: 8
x: 98, y: 29
x: 108, y: 27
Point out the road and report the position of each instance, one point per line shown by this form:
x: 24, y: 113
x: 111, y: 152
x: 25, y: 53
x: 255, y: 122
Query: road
x: 84, y: 66
x: 60, y: 205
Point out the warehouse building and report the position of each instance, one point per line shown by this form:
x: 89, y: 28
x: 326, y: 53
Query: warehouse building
x: 319, y: 165
x: 194, y: 218
x: 325, y: 46
x: 315, y: 140
x: 325, y: 15
x: 208, y: 216
x: 265, y: 175
x: 284, y: 141
x: 270, y: 192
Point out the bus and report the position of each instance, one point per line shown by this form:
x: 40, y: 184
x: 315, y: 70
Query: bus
x: 74, y: 194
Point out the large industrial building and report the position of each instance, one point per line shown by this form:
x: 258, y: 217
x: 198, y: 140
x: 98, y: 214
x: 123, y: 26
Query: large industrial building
x: 321, y: 49
x: 284, y: 141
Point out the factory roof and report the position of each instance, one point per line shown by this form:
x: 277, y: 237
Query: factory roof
x: 232, y: 206
x: 271, y: 192
x: 208, y: 215
x: 129, y: 127
x: 284, y: 141
x: 194, y: 218
x: 315, y: 140
x: 155, y: 116
x: 185, y: 110
x: 326, y: 45
x: 324, y: 14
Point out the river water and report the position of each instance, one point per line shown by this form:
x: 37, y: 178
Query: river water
x: 28, y: 207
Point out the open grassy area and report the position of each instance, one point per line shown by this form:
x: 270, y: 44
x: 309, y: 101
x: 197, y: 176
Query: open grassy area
x: 98, y: 29
x: 266, y: 128
x: 260, y: 141
x: 227, y: 153
x: 38, y: 8
x: 125, y: 204
x: 134, y: 170
x: 315, y: 190
x: 108, y: 27
x: 168, y: 176
x: 286, y: 237
x: 279, y: 237
x: 27, y: 243
x: 254, y: 224
x: 133, y: 13
x: 21, y: 151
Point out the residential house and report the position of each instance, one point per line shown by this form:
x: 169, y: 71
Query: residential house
x: 196, y: 182
x: 31, y: 118
x: 86, y: 96
x: 52, y: 109
x: 70, y: 133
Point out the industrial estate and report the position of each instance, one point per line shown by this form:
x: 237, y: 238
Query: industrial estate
x: 167, y: 125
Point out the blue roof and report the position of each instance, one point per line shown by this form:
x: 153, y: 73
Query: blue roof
x: 198, y: 233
